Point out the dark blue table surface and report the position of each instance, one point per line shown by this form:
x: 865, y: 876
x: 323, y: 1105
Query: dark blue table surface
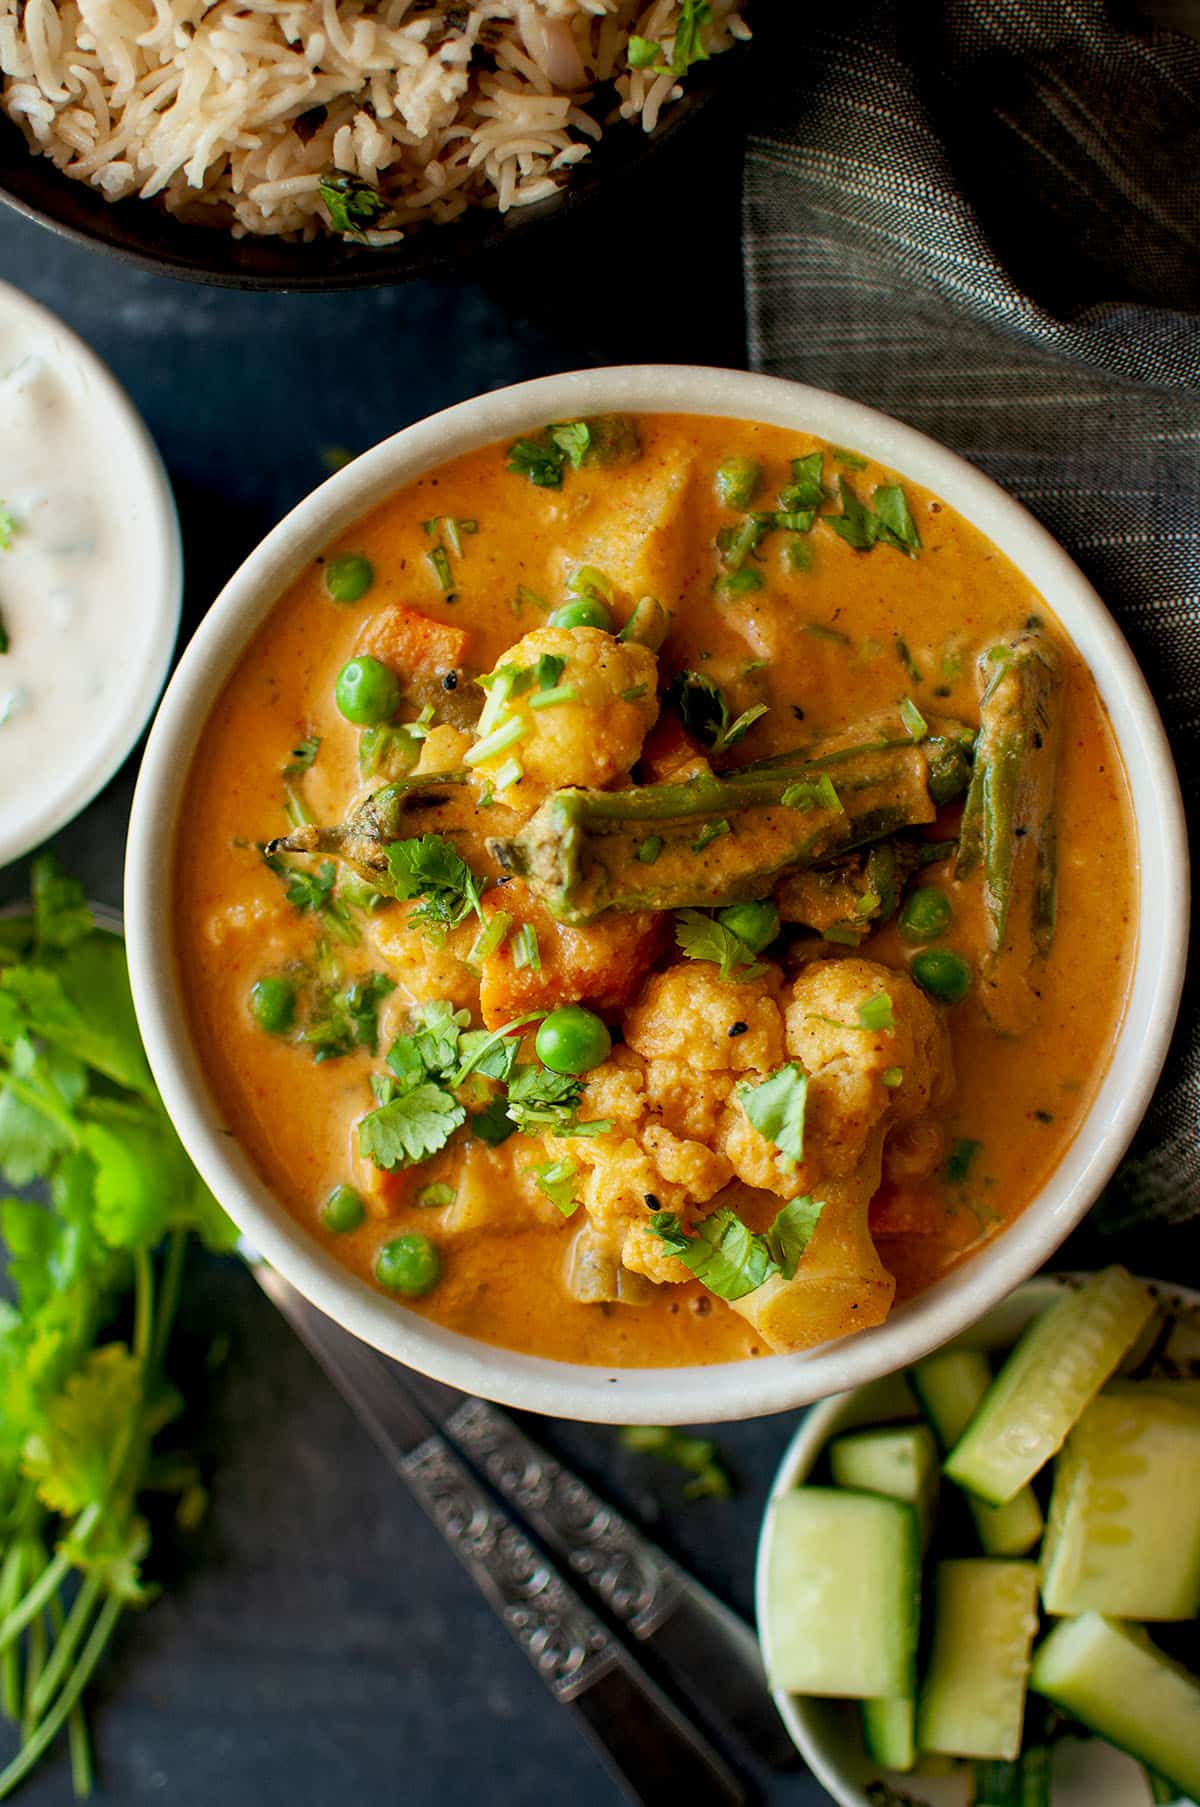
x: 314, y: 1641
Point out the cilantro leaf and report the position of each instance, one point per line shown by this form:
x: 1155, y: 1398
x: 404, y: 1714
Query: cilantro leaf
x: 341, y: 1020
x: 572, y: 438
x: 430, y: 868
x: 877, y: 1012
x: 792, y: 1231
x: 539, y: 1100
x: 351, y: 203
x: 724, y: 1255
x: 687, y: 47
x: 806, y: 491
x: 436, y: 1034
x: 303, y: 757
x: 856, y: 524
x: 33, y: 1133
x: 697, y: 1456
x: 410, y: 1128
x: 70, y: 1458
x: 556, y: 1180
x: 704, y: 711
x: 314, y: 892
x: 539, y: 459
x: 702, y: 937
x: 896, y: 525
x: 642, y: 53
x: 776, y: 1107
x: 61, y: 915
x: 493, y: 1124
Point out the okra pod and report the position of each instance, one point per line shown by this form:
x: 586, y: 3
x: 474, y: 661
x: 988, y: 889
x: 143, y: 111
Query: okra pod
x: 584, y: 852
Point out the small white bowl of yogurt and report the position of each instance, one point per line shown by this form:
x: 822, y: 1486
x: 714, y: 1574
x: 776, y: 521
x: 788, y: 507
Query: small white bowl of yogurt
x: 90, y: 574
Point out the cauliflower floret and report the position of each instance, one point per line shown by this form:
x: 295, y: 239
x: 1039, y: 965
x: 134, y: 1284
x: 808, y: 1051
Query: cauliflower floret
x: 591, y: 738
x: 690, y: 1014
x: 859, y: 1074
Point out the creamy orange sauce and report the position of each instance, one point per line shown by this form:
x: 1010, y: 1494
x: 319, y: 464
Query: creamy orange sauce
x: 1021, y: 1099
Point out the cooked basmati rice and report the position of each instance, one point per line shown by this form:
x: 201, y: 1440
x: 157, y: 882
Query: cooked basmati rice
x: 233, y: 113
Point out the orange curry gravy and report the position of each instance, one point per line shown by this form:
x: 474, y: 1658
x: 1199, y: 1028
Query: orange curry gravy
x: 824, y: 646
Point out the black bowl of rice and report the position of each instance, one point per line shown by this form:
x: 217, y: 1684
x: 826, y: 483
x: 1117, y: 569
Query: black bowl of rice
x: 328, y: 144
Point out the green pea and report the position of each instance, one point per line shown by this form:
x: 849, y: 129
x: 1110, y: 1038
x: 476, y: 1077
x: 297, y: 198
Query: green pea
x: 273, y: 1005
x: 945, y: 976
x: 572, y: 1040
x: 348, y: 577
x: 367, y: 691
x: 755, y: 924
x: 926, y: 915
x: 584, y: 611
x: 343, y: 1210
x: 408, y: 1264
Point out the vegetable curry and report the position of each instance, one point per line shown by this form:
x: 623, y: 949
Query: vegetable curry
x: 657, y: 892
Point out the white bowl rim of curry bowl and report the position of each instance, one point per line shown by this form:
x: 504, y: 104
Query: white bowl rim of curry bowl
x: 768, y: 1383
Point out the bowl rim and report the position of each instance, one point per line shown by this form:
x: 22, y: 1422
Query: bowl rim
x: 164, y: 583
x: 732, y: 1390
x: 800, y: 1712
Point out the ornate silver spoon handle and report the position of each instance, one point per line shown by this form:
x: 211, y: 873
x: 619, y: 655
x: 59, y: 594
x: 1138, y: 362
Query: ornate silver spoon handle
x: 703, y: 1644
x: 649, y: 1746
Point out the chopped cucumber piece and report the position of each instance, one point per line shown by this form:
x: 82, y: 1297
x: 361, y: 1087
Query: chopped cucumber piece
x: 890, y: 1732
x: 972, y: 1703
x: 899, y: 1461
x: 1112, y: 1679
x: 1123, y: 1535
x: 1060, y: 1363
x: 950, y: 1386
x: 843, y: 1577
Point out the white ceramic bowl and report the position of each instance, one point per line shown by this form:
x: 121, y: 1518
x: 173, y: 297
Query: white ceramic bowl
x: 681, y: 1395
x: 149, y: 529
x: 1087, y: 1772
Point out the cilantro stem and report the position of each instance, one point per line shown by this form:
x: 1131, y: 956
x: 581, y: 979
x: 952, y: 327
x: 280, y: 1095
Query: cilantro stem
x: 52, y: 1576
x: 10, y: 1669
x: 67, y: 1643
x: 493, y: 1040
x: 31, y: 1752
x: 168, y: 1296
x: 80, y: 1743
x: 35, y: 1663
x: 143, y: 1304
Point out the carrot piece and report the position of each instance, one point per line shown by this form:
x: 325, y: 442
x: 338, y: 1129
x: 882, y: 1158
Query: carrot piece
x: 599, y: 963
x: 896, y: 1211
x: 668, y: 749
x: 414, y: 644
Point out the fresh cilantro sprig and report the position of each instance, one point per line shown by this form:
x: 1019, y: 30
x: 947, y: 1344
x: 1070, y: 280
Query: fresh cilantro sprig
x: 887, y: 521
x: 704, y: 711
x: 430, y: 868
x: 314, y: 892
x: 776, y: 1108
x: 702, y: 937
x: 544, y: 457
x: 351, y: 203
x: 80, y: 1408
x: 732, y: 1260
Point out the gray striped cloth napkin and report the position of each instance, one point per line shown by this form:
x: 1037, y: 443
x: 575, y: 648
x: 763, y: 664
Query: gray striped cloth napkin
x: 983, y: 217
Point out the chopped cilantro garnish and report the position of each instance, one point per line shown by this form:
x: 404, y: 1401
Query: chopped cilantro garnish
x: 351, y: 203
x: 341, y: 1020
x: 731, y: 1260
x: 712, y: 831
x: 428, y: 867
x: 540, y: 460
x: 411, y: 1127
x: 806, y: 491
x: 302, y: 757
x: 314, y: 893
x: 812, y: 793
x: 913, y: 720
x: 851, y: 460
x: 572, y: 438
x: 439, y: 560
x: 525, y: 951
x: 961, y: 1159
x: 705, y: 713
x: 687, y: 46
x: 776, y: 1108
x: 556, y: 1179
x: 650, y: 849
x: 493, y: 1124
x: 643, y: 52
x: 887, y: 523
x: 635, y: 693
x: 877, y: 1013
x: 702, y: 937
x: 549, y: 670
x: 906, y: 659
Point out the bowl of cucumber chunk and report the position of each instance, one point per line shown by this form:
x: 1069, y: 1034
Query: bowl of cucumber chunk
x: 979, y: 1580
